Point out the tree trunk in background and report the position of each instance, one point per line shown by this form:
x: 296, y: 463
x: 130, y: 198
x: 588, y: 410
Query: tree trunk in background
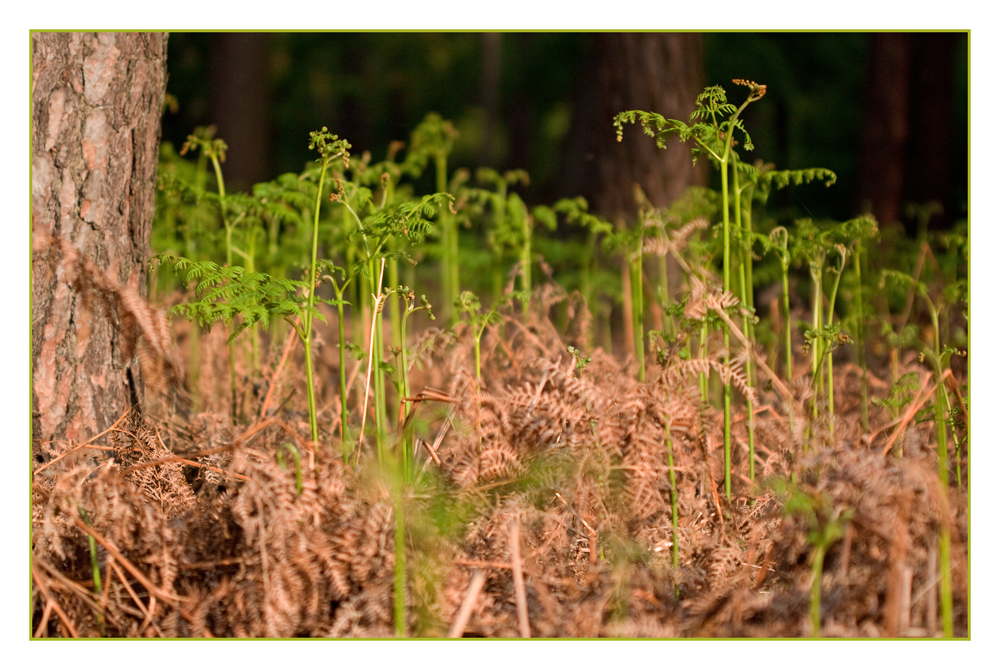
x: 490, y: 96
x: 885, y: 128
x: 240, y: 106
x: 659, y: 72
x: 96, y: 101
x: 932, y: 154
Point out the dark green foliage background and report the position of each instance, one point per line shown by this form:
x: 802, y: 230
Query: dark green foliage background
x: 374, y: 88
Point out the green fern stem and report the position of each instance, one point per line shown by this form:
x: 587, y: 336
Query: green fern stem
x: 635, y: 268
x: 377, y: 343
x: 940, y: 405
x: 94, y: 565
x: 342, y: 360
x: 449, y: 241
x: 221, y: 184
x: 307, y: 317
x: 214, y: 157
x: 785, y: 259
x: 703, y: 353
x: 945, y: 531
x: 400, y: 567
x: 479, y: 335
x: 746, y: 296
x: 958, y: 452
x: 404, y: 385
x: 526, y: 258
x: 859, y: 347
x: 674, y: 512
x: 726, y: 390
x: 816, y: 270
x: 829, y: 322
x: 788, y: 331
x: 816, y: 592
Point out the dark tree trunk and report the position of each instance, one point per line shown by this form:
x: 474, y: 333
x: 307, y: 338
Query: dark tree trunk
x: 908, y: 148
x: 659, y: 72
x: 240, y: 106
x: 490, y: 95
x: 96, y: 100
x: 882, y: 167
x: 931, y: 158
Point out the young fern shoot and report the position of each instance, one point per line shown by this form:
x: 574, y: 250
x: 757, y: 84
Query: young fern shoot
x: 714, y: 123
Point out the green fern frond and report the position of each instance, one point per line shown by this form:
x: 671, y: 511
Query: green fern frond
x: 781, y: 178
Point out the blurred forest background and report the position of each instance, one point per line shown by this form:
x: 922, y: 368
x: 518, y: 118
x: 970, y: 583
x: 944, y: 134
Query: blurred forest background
x: 888, y: 112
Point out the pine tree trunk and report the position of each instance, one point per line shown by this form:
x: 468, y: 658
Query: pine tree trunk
x: 97, y: 99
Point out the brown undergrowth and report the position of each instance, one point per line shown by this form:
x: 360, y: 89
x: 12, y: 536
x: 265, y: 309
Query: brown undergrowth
x: 203, y: 528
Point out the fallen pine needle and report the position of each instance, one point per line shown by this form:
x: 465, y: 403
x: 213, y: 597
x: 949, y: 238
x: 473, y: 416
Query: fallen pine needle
x: 519, y: 593
x: 465, y: 611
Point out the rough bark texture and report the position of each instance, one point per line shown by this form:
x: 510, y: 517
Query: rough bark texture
x: 96, y: 105
x: 659, y: 72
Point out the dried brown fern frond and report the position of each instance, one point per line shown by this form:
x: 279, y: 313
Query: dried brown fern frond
x: 674, y: 241
x: 145, y: 329
x: 136, y: 448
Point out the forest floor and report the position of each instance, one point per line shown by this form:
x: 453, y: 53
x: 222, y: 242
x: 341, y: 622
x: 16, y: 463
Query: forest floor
x: 542, y: 503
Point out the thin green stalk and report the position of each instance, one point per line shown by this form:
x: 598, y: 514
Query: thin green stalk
x: 449, y: 240
x: 394, y: 313
x: 746, y: 296
x: 342, y: 362
x: 816, y: 592
x: 479, y: 334
x: 703, y: 353
x: 404, y: 382
x: 674, y: 513
x: 788, y: 321
x: 526, y: 257
x: 829, y: 322
x: 940, y: 404
x: 785, y: 258
x: 954, y: 436
x: 757, y: 92
x: 213, y: 156
x: 400, y: 567
x: 859, y: 347
x: 726, y: 390
x: 329, y: 148
x: 378, y: 341
x: 343, y: 373
x: 817, y: 278
x: 404, y: 377
x: 635, y: 269
x: 95, y: 566
x: 290, y: 448
x: 307, y: 317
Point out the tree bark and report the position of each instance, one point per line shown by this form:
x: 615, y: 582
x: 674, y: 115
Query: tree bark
x: 96, y: 101
x: 659, y: 72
